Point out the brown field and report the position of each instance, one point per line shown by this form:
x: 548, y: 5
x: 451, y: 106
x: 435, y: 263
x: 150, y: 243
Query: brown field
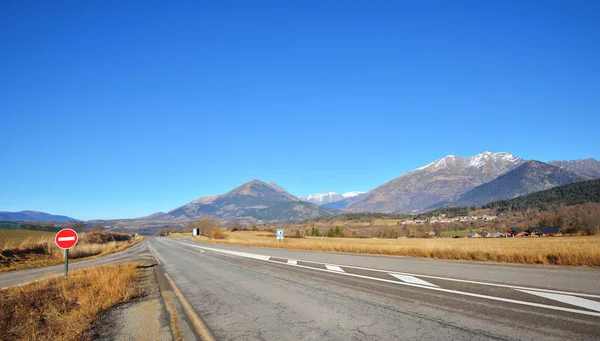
x: 24, y: 249
x: 63, y: 309
x: 583, y: 251
x: 9, y: 239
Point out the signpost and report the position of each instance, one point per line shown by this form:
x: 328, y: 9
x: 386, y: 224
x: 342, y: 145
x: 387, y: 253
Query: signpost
x: 279, y: 234
x: 66, y: 239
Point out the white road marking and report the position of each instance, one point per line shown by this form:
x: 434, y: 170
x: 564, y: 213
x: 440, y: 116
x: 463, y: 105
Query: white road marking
x: 235, y: 253
x: 477, y: 282
x: 572, y: 300
x: 65, y: 239
x: 412, y: 279
x: 493, y: 298
x: 333, y: 268
x: 292, y: 262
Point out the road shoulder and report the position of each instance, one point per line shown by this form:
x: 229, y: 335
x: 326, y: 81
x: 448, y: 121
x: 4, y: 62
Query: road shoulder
x: 145, y: 318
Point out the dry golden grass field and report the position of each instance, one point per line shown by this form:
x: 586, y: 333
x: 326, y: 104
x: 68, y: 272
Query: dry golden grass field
x: 63, y: 309
x: 25, y: 249
x: 541, y: 250
x: 10, y: 239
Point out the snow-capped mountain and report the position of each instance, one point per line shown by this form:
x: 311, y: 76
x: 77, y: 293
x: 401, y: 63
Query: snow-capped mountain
x: 531, y: 176
x: 589, y: 168
x: 326, y: 198
x: 479, y: 161
x: 438, y: 181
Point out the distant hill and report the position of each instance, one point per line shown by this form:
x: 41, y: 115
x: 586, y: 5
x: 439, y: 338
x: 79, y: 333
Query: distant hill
x: 32, y: 226
x: 589, y: 168
x: 33, y: 216
x: 568, y: 195
x: 530, y: 177
x: 436, y: 182
x: 254, y: 201
x: 289, y: 211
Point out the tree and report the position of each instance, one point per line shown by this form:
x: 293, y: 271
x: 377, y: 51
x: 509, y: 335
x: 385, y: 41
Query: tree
x: 77, y: 226
x: 236, y: 226
x: 437, y: 228
x: 337, y: 232
x: 97, y: 228
x: 331, y: 233
x: 205, y: 224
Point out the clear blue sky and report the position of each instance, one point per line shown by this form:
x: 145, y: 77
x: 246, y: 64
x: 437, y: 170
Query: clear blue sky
x: 116, y: 109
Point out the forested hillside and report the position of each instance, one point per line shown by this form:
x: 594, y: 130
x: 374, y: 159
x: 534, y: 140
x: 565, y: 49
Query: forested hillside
x: 567, y: 195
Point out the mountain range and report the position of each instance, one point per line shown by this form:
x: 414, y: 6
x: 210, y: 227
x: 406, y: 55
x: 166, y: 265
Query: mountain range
x: 449, y: 181
x: 589, y: 168
x: 438, y: 181
x: 254, y: 201
x: 329, y: 197
x: 33, y: 216
x: 531, y: 176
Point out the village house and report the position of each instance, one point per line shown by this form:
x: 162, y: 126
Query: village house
x: 485, y: 234
x: 543, y: 231
x: 498, y: 235
x: 515, y: 232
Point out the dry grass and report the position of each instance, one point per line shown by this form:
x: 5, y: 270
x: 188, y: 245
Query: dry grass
x: 63, y: 309
x: 26, y: 250
x: 10, y: 239
x: 550, y: 250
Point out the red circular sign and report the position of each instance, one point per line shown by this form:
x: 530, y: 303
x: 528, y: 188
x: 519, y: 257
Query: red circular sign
x: 66, y: 238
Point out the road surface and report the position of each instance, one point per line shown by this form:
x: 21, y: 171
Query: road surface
x: 138, y: 252
x: 245, y: 293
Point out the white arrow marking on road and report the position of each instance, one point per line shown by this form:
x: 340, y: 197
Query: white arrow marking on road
x: 413, y: 280
x: 334, y: 268
x: 430, y: 287
x: 572, y: 300
x: 64, y: 239
x: 293, y: 262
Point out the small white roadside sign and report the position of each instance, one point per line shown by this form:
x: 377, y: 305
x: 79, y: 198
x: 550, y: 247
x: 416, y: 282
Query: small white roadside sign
x: 279, y: 234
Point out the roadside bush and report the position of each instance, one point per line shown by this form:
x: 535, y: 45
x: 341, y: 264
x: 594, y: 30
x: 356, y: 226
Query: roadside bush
x: 104, y: 237
x: 216, y: 233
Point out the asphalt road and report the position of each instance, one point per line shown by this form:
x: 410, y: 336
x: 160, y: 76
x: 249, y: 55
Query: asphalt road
x: 138, y: 252
x: 245, y: 293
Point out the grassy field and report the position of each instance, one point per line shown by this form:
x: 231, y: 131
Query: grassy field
x: 10, y: 239
x: 25, y: 249
x: 549, y: 250
x: 62, y: 309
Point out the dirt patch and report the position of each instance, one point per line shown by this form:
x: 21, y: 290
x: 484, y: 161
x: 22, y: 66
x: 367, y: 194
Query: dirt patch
x: 144, y: 318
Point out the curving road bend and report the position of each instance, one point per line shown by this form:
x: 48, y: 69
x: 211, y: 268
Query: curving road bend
x: 138, y: 252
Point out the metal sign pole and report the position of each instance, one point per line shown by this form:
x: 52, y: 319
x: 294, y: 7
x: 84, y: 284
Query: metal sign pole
x: 66, y: 262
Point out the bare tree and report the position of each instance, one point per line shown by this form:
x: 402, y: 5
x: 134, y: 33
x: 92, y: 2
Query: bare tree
x: 97, y: 228
x: 76, y: 225
x: 236, y: 226
x: 205, y: 224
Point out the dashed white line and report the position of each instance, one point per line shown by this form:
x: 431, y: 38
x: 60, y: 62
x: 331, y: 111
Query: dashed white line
x: 334, y: 268
x: 292, y: 262
x: 429, y: 287
x: 412, y: 279
x: 572, y: 300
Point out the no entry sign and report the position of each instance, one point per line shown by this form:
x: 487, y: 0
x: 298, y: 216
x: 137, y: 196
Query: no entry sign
x: 66, y: 238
